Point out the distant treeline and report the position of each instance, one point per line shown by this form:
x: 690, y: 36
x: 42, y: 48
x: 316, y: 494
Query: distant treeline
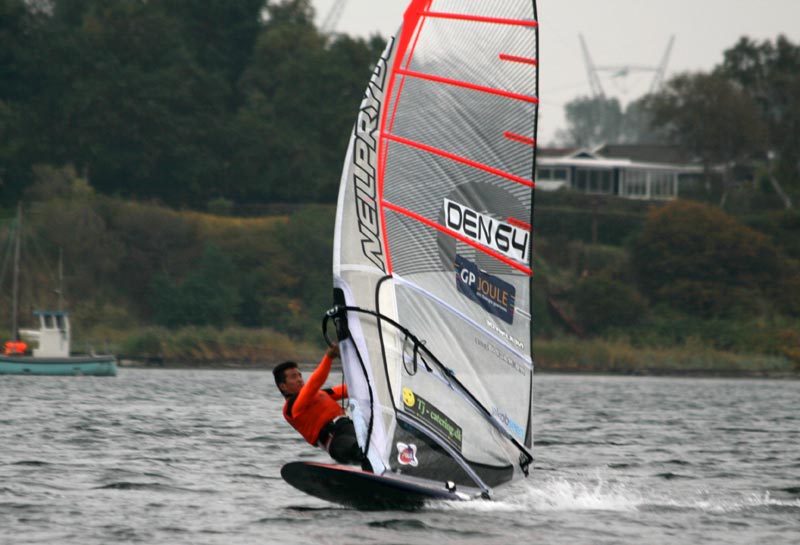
x: 648, y: 276
x: 177, y: 100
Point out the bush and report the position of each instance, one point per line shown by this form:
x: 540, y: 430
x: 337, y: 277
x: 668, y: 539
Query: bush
x: 602, y: 303
x: 700, y: 260
x: 208, y: 296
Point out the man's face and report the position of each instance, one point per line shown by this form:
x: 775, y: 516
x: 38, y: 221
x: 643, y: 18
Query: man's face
x: 293, y: 383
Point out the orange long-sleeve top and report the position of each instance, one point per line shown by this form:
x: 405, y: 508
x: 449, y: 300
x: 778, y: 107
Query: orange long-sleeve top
x: 311, y: 408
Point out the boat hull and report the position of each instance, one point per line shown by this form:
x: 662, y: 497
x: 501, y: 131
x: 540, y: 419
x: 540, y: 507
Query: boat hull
x: 99, y: 366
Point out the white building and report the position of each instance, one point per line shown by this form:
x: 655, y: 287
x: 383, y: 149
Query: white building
x: 644, y: 172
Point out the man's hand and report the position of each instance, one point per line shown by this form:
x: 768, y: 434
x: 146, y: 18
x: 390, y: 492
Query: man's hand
x: 333, y: 351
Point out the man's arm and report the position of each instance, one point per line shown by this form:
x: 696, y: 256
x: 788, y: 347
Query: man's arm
x: 316, y: 380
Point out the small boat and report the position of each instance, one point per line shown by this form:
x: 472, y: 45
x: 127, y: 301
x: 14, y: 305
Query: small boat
x: 52, y: 355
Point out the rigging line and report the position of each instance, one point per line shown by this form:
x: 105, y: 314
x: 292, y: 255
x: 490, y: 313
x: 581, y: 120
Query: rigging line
x: 467, y: 85
x: 481, y: 19
x: 488, y: 251
x: 459, y: 159
x: 449, y: 375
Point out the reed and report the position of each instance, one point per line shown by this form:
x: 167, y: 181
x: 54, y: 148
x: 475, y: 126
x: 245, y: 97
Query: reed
x: 567, y: 355
x: 206, y: 346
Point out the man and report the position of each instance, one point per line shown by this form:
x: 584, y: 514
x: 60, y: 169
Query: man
x: 315, y: 413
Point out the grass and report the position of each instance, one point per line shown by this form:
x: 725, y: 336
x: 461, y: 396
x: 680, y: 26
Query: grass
x: 569, y: 355
x: 263, y: 348
x: 202, y: 346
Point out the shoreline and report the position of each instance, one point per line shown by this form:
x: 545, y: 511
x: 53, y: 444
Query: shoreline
x: 540, y: 370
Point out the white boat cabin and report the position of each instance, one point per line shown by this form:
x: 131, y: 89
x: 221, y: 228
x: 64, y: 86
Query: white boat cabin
x: 53, y: 336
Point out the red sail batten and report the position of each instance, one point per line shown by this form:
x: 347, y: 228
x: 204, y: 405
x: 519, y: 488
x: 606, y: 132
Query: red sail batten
x: 514, y: 58
x: 519, y: 223
x: 519, y: 138
x: 459, y: 159
x: 480, y: 19
x: 467, y: 85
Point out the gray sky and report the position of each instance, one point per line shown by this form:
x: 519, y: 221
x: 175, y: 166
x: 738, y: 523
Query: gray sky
x: 618, y: 33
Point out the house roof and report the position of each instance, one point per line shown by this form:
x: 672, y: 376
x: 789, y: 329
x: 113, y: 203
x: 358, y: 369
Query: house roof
x: 636, y: 153
x: 650, y: 153
x: 620, y: 156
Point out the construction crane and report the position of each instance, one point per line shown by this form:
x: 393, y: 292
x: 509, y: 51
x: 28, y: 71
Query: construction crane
x: 331, y: 19
x: 621, y: 71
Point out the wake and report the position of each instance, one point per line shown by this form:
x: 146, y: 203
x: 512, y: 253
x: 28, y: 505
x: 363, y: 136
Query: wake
x: 597, y: 494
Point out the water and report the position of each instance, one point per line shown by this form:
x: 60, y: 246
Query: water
x: 174, y: 457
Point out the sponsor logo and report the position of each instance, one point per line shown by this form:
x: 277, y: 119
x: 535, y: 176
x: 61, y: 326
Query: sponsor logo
x: 504, y: 335
x: 364, y: 160
x: 407, y: 454
x: 429, y: 414
x: 512, y: 426
x: 504, y: 238
x: 503, y: 356
x: 408, y: 397
x: 490, y: 292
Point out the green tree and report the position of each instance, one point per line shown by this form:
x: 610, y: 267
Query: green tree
x: 602, y: 303
x: 638, y: 126
x: 24, y: 69
x: 770, y: 74
x: 207, y: 296
x: 592, y: 121
x: 143, y: 114
x: 156, y: 241
x: 307, y: 238
x: 301, y: 94
x: 710, y: 118
x: 221, y: 34
x: 700, y: 260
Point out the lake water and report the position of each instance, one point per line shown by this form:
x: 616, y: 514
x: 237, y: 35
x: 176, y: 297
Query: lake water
x: 174, y: 457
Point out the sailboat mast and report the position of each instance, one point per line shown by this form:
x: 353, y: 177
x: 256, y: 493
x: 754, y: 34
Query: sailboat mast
x: 15, y: 285
x: 61, y: 279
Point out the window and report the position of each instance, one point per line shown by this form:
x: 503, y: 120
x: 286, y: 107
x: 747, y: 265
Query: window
x: 594, y: 181
x: 547, y: 173
x: 662, y: 185
x: 635, y: 184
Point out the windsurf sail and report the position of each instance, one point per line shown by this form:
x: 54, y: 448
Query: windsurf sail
x: 432, y: 248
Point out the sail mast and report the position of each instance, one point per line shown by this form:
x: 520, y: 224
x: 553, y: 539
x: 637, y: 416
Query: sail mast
x: 15, y: 285
x: 61, y: 279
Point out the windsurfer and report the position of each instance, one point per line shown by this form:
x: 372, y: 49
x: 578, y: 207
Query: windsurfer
x: 315, y: 413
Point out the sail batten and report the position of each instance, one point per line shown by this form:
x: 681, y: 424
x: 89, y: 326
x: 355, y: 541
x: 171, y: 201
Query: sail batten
x: 493, y: 20
x: 460, y: 159
x: 515, y: 58
x: 468, y: 85
x: 433, y: 247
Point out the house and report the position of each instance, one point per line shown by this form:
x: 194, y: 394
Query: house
x: 633, y: 171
